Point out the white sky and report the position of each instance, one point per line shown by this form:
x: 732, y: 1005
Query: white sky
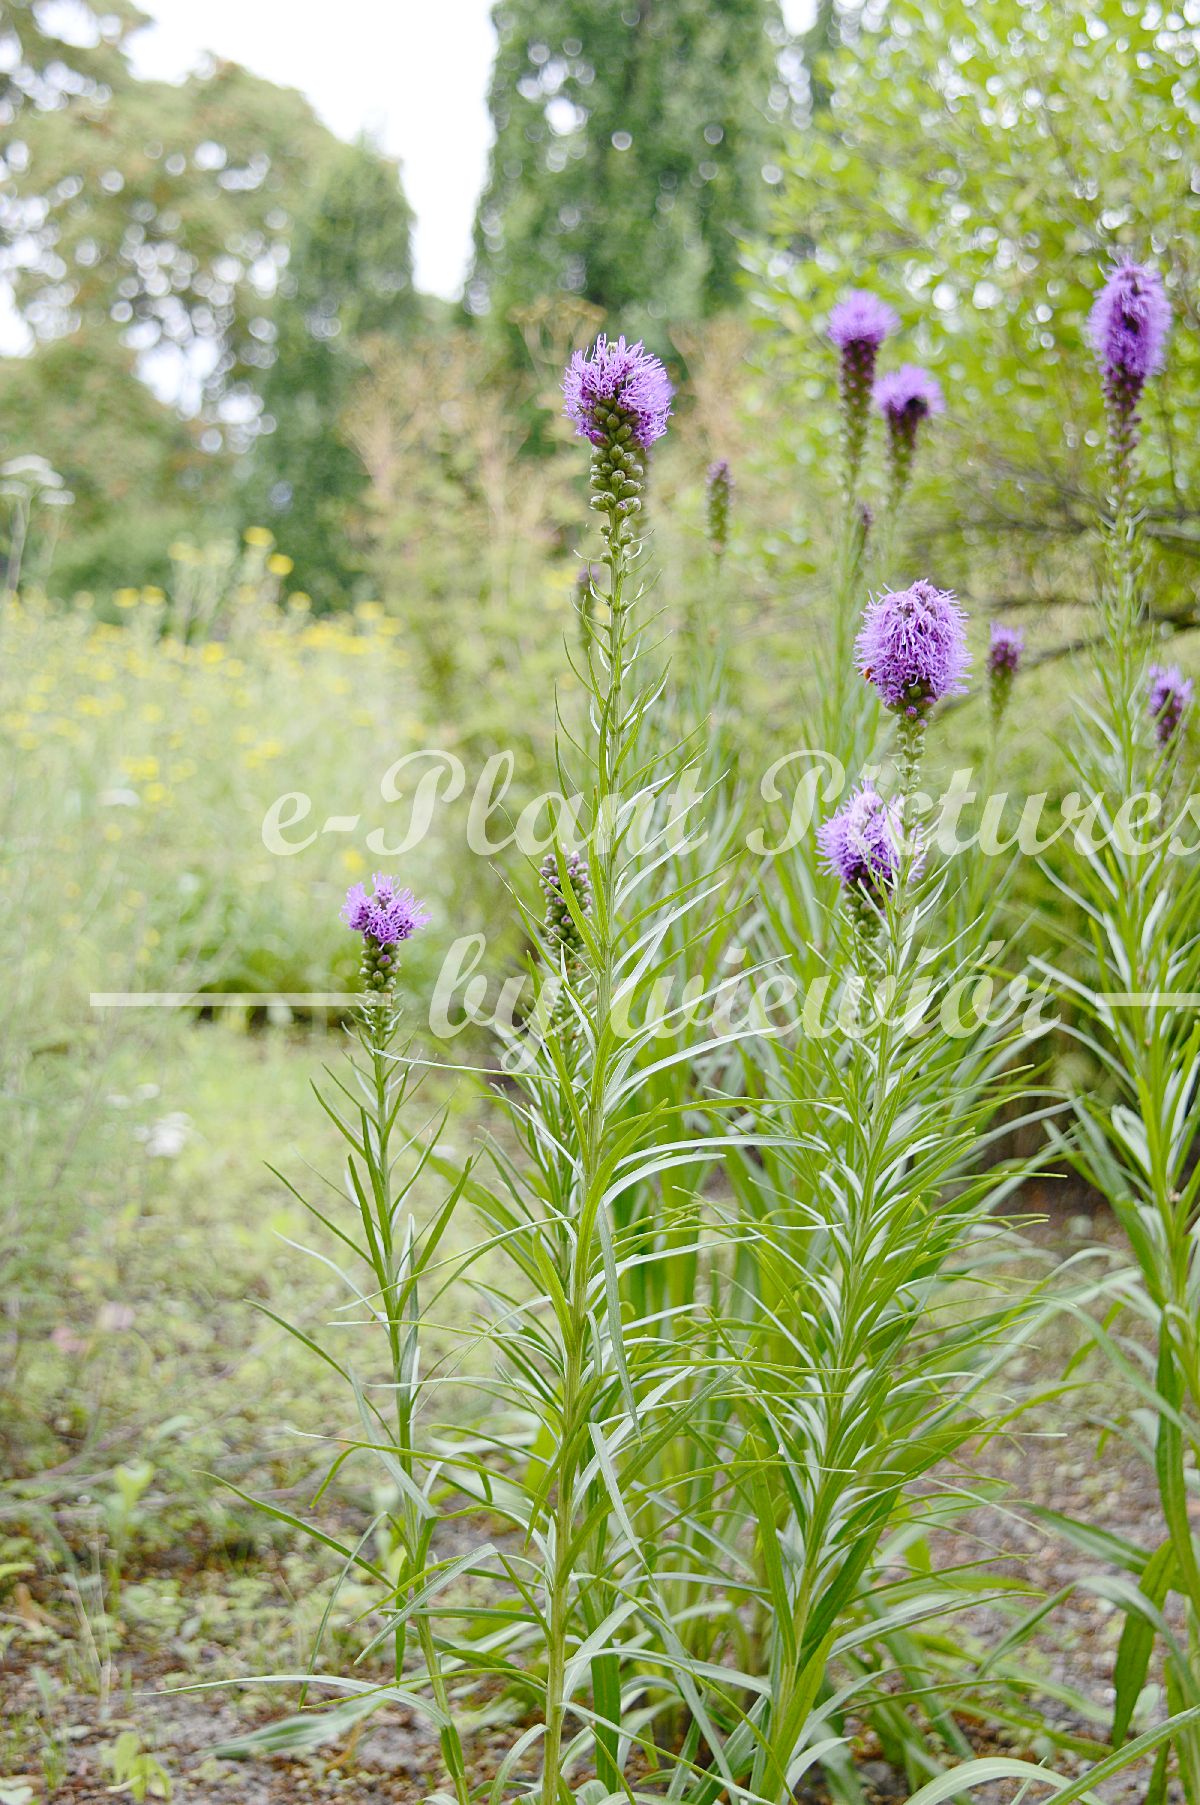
x: 412, y: 73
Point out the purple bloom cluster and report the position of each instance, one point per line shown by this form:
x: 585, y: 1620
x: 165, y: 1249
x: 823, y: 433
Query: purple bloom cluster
x: 619, y: 380
x: 861, y: 318
x: 907, y: 396
x: 1128, y: 326
x: 913, y: 647
x: 1170, y: 693
x: 388, y: 916
x: 860, y: 844
x: 1006, y: 649
x: 858, y: 326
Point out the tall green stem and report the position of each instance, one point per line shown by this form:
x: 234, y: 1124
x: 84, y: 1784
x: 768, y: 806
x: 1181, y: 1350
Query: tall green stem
x: 400, y: 1308
x: 609, y: 675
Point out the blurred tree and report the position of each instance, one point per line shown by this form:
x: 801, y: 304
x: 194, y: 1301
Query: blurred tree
x: 635, y: 141
x: 981, y: 166
x: 144, y: 227
x: 40, y: 63
x: 134, y: 468
x: 348, y: 280
x: 155, y: 212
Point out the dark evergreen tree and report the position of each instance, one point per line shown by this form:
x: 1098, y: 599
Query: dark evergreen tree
x: 635, y: 141
x: 348, y: 280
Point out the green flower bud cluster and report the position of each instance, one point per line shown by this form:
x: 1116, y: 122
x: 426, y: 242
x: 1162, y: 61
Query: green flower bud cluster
x: 378, y: 968
x: 561, y: 929
x: 618, y: 473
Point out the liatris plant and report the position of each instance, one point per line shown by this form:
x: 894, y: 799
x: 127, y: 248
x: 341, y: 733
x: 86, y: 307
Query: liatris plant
x: 1138, y: 893
x: 620, y: 399
x: 1169, y: 696
x: 858, y: 1376
x: 701, y: 1414
x: 384, y: 919
x: 718, y: 491
x: 858, y: 326
x: 1006, y: 648
x: 1128, y: 327
x: 912, y: 648
x: 589, y: 1350
x: 568, y: 892
x: 904, y: 398
x: 861, y: 847
x: 568, y: 896
x: 979, y: 899
x: 587, y: 1366
x: 383, y: 1178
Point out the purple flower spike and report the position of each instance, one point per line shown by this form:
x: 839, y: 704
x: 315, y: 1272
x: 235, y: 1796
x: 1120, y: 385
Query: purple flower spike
x: 1128, y: 327
x: 1169, y: 696
x: 907, y: 396
x: 621, y: 378
x: 858, y: 326
x: 1128, y: 324
x: 861, y: 844
x: 1006, y: 649
x: 383, y: 919
x: 913, y: 647
x: 861, y: 318
x: 1005, y: 652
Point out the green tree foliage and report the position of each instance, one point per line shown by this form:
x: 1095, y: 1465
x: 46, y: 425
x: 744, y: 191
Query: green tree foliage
x: 631, y: 140
x: 134, y: 468
x: 145, y: 231
x: 39, y: 63
x: 158, y: 213
x: 348, y: 281
x: 980, y: 165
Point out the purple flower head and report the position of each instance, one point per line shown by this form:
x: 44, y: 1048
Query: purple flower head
x: 913, y: 647
x: 1128, y: 326
x: 386, y: 917
x: 1006, y: 649
x: 907, y: 396
x: 621, y: 378
x: 861, y: 845
x: 1170, y: 693
x: 861, y: 318
x: 858, y: 326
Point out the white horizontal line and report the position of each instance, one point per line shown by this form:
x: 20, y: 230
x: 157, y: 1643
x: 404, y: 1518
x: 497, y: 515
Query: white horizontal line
x: 1150, y: 999
x: 224, y: 999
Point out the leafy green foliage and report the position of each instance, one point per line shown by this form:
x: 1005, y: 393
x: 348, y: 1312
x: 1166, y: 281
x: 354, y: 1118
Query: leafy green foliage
x: 348, y: 281
x: 630, y: 150
x: 980, y: 165
x: 171, y: 235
